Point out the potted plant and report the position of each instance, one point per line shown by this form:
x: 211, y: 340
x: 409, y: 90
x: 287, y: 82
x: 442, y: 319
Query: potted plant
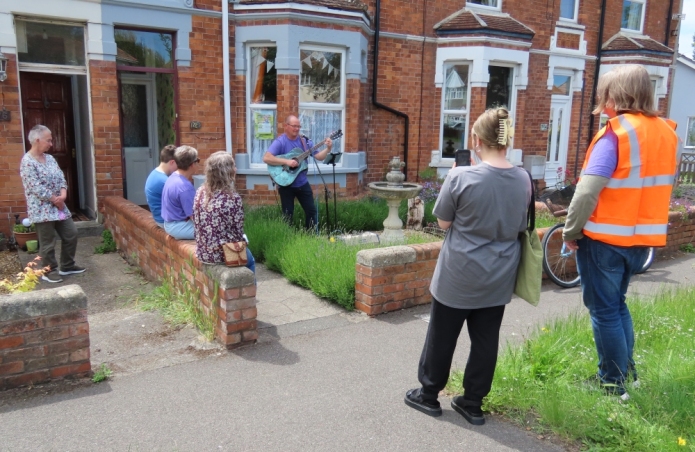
x: 23, y: 233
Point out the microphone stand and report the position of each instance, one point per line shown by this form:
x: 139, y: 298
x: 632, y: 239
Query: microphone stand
x: 331, y: 159
x: 326, y: 193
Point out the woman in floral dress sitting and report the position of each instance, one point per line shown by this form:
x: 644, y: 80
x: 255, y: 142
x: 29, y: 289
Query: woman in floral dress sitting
x: 218, y: 214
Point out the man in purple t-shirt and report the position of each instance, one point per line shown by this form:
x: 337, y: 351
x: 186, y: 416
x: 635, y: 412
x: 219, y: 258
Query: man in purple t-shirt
x: 300, y: 188
x: 178, y: 194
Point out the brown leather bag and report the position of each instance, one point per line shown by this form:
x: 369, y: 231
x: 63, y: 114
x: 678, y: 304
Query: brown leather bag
x: 235, y: 254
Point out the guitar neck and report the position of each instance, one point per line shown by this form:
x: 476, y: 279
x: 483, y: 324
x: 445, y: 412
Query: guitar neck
x: 307, y: 153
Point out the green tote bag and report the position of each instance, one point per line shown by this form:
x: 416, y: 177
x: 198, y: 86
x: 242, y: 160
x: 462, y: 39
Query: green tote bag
x: 529, y: 275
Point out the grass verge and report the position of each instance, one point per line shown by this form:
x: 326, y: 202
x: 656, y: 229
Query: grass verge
x: 179, y: 306
x: 542, y: 381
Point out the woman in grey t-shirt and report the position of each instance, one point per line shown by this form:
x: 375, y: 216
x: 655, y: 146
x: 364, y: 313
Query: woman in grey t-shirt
x: 483, y: 208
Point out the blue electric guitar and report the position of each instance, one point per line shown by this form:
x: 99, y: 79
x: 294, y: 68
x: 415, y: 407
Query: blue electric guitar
x: 284, y: 175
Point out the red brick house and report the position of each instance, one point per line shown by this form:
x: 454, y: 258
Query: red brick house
x: 117, y: 80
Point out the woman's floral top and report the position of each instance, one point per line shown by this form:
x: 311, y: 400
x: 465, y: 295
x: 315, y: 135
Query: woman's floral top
x: 218, y: 222
x: 42, y: 181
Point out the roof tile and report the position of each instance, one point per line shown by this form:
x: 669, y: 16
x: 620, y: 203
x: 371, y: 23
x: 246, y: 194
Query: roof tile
x: 466, y: 20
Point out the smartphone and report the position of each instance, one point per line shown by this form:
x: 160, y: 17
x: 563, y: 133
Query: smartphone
x: 462, y: 157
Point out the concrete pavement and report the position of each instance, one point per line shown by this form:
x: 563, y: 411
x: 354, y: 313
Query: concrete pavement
x: 329, y: 383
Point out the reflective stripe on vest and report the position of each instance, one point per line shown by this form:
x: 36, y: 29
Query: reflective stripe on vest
x: 634, y: 180
x: 626, y: 231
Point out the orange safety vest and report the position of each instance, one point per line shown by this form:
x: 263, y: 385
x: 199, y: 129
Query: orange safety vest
x: 632, y: 209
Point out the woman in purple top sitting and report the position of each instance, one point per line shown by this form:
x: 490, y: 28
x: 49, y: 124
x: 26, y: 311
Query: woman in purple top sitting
x: 218, y: 213
x: 178, y: 194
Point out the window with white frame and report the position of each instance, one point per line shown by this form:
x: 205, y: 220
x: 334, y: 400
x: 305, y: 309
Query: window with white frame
x: 490, y: 3
x: 690, y: 133
x: 454, y: 110
x: 568, y: 9
x: 261, y: 100
x: 321, y: 92
x: 633, y: 15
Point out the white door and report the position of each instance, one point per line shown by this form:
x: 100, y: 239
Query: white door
x: 558, y: 139
x: 138, y: 116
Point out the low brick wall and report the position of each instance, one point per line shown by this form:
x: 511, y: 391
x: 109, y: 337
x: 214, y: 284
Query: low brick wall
x: 228, y: 295
x: 397, y: 277
x: 44, y: 335
x: 681, y: 231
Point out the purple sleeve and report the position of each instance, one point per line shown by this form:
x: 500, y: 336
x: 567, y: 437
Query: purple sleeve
x: 187, y: 197
x: 277, y: 146
x: 604, y: 158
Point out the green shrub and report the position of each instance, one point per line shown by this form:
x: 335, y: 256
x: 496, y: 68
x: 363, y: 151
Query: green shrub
x: 108, y: 245
x: 20, y: 228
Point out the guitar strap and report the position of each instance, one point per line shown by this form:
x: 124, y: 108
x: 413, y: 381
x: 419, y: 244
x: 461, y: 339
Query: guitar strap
x: 304, y: 146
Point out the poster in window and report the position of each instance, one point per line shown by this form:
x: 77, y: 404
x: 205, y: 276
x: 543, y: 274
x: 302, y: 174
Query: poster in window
x: 263, y: 124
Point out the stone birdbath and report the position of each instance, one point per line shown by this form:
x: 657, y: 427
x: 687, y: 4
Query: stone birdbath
x: 394, y: 190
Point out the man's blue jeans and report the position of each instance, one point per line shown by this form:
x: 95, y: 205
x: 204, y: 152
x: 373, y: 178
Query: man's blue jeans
x: 605, y: 274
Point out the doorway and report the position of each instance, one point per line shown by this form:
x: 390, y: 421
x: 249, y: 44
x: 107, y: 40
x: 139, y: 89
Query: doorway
x: 47, y: 100
x: 138, y: 116
x: 558, y: 130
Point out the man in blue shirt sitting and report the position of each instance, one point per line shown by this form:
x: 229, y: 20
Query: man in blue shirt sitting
x: 157, y: 179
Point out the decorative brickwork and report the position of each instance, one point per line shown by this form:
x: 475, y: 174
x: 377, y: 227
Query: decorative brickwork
x: 44, y: 335
x: 228, y: 295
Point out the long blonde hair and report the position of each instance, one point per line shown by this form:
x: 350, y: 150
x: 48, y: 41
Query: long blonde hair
x: 629, y: 87
x: 220, y: 170
x: 494, y: 128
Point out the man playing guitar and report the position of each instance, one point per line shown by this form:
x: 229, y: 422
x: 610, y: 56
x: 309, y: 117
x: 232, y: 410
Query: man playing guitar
x: 300, y: 188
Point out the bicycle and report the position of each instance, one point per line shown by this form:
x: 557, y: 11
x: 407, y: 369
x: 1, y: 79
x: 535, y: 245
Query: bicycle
x: 560, y: 263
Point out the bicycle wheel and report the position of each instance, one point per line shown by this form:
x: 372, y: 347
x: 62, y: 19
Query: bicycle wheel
x: 649, y: 261
x: 559, y: 263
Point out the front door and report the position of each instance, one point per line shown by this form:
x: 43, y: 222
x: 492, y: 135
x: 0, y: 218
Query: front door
x: 47, y: 100
x: 558, y: 139
x: 138, y: 117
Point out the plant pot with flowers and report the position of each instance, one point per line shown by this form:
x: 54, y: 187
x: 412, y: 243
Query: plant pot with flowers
x: 24, y: 233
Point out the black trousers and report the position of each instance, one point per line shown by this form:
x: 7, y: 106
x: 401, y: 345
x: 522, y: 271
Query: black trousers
x: 440, y: 344
x: 306, y: 199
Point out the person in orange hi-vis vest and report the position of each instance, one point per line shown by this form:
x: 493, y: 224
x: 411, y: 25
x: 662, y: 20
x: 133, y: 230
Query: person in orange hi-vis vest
x: 619, y: 210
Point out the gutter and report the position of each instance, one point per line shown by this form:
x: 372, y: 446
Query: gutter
x: 375, y: 102
x: 225, y: 77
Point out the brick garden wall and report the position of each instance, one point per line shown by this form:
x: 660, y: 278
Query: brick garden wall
x: 227, y: 295
x: 398, y: 277
x: 44, y: 335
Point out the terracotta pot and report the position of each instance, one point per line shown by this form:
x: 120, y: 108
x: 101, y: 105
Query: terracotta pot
x: 22, y: 237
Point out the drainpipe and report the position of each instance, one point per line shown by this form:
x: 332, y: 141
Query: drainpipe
x: 375, y: 74
x: 598, y: 64
x: 668, y: 22
x: 225, y: 76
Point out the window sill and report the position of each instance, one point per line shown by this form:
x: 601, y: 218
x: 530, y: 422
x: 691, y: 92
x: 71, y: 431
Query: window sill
x: 569, y: 23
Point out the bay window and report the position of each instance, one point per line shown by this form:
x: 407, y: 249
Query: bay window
x: 454, y: 110
x: 262, y: 101
x: 321, y: 92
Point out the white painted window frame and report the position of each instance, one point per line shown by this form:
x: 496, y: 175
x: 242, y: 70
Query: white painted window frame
x: 444, y: 111
x: 576, y: 13
x: 251, y: 107
x: 687, y: 128
x: 485, y: 7
x: 343, y: 88
x: 644, y: 11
